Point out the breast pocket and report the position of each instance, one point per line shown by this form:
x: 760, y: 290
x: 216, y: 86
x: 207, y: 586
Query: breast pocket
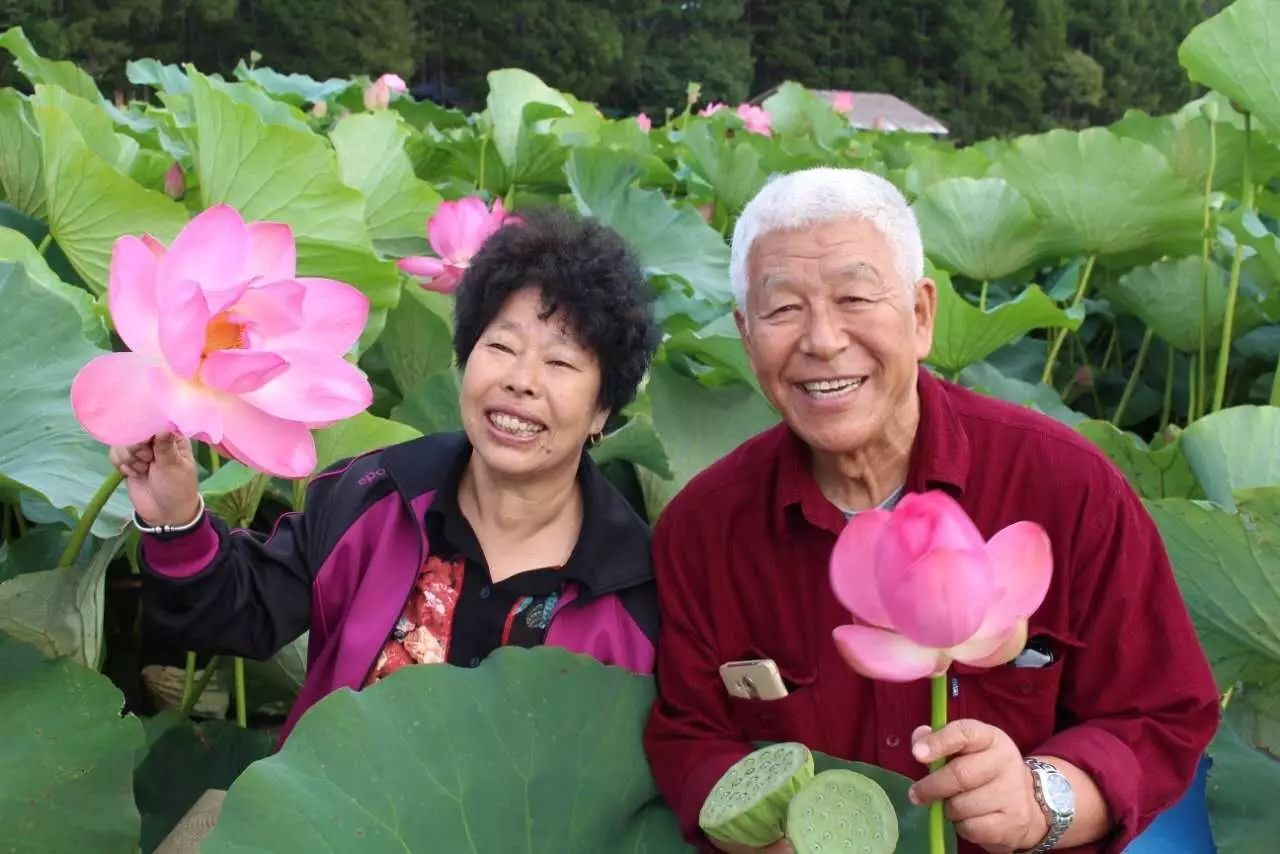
x: 1022, y: 701
x: 788, y: 718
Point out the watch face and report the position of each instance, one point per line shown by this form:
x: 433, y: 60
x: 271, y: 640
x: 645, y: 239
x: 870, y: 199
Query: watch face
x: 1058, y: 794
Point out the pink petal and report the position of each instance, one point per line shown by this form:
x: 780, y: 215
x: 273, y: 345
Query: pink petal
x: 853, y: 575
x: 184, y: 320
x: 334, y: 315
x: 992, y: 651
x: 445, y: 284
x: 220, y: 300
x: 114, y: 399
x: 210, y: 250
x: 240, y: 371
x: 885, y: 655
x: 459, y: 229
x: 940, y: 600
x: 271, y: 311
x: 317, y: 387
x: 154, y: 246
x: 1021, y: 561
x: 272, y: 253
x: 421, y: 265
x: 277, y: 446
x: 192, y: 408
x: 923, y: 522
x: 131, y: 295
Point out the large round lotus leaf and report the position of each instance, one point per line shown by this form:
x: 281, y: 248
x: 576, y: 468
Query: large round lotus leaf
x: 1166, y: 296
x: 1234, y: 53
x: 1241, y: 794
x: 534, y: 751
x: 21, y: 161
x: 1237, y: 448
x: 980, y: 227
x: 517, y: 101
x: 1160, y: 473
x: 66, y: 768
x: 1102, y: 194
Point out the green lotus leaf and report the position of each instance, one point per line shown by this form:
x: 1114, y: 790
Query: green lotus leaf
x: 297, y: 88
x: 158, y: 75
x: 797, y: 111
x: 732, y: 169
x: 717, y: 348
x: 980, y: 227
x: 40, y: 70
x: 91, y: 203
x: 963, y: 334
x: 931, y: 162
x: 432, y: 405
x: 357, y: 435
x: 1101, y: 194
x: 513, y: 731
x: 1167, y: 295
x: 1241, y: 794
x: 68, y: 759
x: 516, y: 100
x: 271, y: 172
x: 670, y: 240
x: 43, y: 449
x: 14, y: 246
x: 372, y: 159
x: 636, y: 442
x: 21, y: 158
x: 1234, y: 449
x: 1184, y: 138
x: 985, y: 378
x: 1160, y: 473
x: 1232, y: 53
x: 417, y: 341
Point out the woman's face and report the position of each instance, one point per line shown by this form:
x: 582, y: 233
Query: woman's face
x: 530, y: 390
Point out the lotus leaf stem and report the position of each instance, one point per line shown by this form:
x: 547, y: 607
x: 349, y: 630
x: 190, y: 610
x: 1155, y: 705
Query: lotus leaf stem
x: 1233, y: 288
x: 88, y: 517
x: 242, y: 719
x: 1061, y: 336
x: 1206, y: 245
x: 1275, y: 401
x: 484, y: 149
x: 1167, y: 411
x: 190, y: 681
x: 1132, y: 384
x: 44, y: 242
x: 937, y: 822
x: 191, y: 701
x: 1195, y: 394
x: 982, y: 297
x: 1113, y: 346
x: 214, y: 461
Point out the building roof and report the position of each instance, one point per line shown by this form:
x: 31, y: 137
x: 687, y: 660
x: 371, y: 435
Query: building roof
x: 879, y: 111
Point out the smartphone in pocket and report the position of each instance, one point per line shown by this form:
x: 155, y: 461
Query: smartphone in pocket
x: 757, y: 679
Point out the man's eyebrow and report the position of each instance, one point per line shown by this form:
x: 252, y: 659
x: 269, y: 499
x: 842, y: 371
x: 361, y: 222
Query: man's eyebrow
x: 859, y: 270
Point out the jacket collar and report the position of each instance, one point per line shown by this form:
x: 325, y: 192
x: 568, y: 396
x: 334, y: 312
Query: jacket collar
x: 612, y: 552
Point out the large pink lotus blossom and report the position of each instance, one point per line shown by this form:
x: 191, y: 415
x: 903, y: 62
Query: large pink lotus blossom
x: 456, y: 233
x: 645, y: 123
x: 842, y: 101
x: 378, y: 95
x: 757, y: 119
x: 925, y: 589
x: 227, y: 345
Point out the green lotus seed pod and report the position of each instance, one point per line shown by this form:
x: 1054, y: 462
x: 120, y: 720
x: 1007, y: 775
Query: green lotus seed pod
x: 748, y: 805
x: 842, y: 811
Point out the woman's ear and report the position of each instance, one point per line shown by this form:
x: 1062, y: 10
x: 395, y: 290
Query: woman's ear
x: 601, y: 418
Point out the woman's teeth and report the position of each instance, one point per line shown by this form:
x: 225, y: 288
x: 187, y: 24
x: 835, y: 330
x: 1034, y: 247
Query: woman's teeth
x: 831, y: 388
x: 513, y: 425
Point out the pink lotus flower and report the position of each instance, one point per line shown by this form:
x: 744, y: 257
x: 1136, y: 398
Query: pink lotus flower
x: 757, y: 119
x: 645, y: 123
x: 456, y: 232
x: 394, y: 82
x: 925, y: 589
x: 711, y: 109
x: 227, y: 345
x: 842, y: 101
x: 378, y: 95
x: 174, y: 182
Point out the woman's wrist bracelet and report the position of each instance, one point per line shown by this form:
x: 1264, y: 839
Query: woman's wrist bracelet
x: 170, y: 529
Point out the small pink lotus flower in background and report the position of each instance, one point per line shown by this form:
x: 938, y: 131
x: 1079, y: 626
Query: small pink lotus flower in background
x: 757, y: 119
x: 227, y: 345
x: 175, y: 184
x: 645, y: 123
x: 320, y: 109
x: 378, y: 95
x: 842, y: 101
x: 394, y: 82
x: 926, y: 589
x: 456, y: 233
x: 711, y: 109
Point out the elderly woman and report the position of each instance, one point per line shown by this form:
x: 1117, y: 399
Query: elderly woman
x: 444, y: 548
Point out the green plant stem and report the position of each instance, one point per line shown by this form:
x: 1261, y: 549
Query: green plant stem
x: 215, y: 462
x: 19, y: 520
x: 1233, y: 289
x: 1204, y: 274
x: 81, y: 531
x: 484, y: 149
x: 509, y: 202
x: 1113, y: 346
x: 1194, y: 392
x: 1061, y: 336
x: 1132, y: 384
x: 938, y: 719
x: 1167, y: 411
x: 44, y: 243
x: 982, y: 297
x: 1275, y: 399
x: 242, y: 719
x: 191, y: 701
x: 190, y: 681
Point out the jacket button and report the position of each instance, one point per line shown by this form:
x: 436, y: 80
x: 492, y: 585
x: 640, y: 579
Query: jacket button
x: 475, y: 661
x: 484, y: 592
x: 892, y: 741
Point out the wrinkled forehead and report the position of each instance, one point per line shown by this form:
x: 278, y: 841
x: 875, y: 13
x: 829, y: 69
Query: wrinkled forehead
x: 849, y: 249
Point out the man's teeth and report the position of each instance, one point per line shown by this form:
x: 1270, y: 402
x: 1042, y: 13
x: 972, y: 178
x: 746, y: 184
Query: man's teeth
x: 829, y: 388
x: 513, y: 425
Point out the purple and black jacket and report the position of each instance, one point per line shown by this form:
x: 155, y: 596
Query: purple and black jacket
x: 344, y: 568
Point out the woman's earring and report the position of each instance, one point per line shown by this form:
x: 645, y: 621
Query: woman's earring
x: 595, y: 438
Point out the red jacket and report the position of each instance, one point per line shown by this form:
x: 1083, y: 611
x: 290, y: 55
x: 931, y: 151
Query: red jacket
x: 741, y: 561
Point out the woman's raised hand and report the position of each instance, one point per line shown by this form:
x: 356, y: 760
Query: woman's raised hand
x: 160, y: 476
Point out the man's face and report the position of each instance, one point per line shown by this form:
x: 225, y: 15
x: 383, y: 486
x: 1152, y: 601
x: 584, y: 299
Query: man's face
x: 833, y: 331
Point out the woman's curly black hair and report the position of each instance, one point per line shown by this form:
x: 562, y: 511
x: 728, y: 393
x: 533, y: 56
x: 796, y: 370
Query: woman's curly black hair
x: 584, y: 270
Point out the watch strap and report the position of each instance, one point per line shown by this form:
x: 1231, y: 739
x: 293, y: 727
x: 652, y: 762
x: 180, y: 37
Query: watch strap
x: 1058, y: 822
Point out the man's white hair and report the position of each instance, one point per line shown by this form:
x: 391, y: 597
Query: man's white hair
x: 813, y: 196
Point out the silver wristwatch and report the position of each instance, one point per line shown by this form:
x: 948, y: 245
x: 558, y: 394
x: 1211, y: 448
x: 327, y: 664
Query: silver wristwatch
x: 1056, y: 799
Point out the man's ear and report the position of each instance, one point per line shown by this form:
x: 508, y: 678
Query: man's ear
x: 925, y: 311
x: 740, y: 319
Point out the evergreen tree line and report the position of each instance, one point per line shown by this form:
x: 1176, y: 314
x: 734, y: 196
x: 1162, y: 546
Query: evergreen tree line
x: 983, y: 67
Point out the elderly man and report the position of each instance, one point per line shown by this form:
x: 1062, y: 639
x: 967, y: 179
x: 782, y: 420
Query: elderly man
x: 1109, y: 708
